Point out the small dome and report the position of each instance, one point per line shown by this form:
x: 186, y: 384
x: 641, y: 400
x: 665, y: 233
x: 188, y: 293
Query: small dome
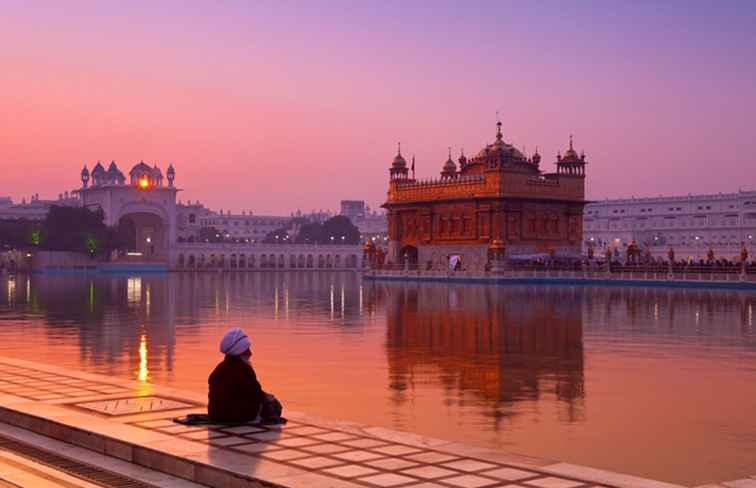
x: 140, y: 168
x: 571, y: 156
x: 450, y: 165
x: 85, y: 171
x: 399, y: 161
x: 98, y: 169
x: 170, y: 171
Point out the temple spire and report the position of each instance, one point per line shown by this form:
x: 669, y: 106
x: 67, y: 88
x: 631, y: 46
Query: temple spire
x: 399, y: 148
x: 570, y: 141
x: 498, y: 127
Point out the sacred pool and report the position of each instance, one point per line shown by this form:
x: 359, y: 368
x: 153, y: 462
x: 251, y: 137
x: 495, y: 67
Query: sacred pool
x: 651, y: 381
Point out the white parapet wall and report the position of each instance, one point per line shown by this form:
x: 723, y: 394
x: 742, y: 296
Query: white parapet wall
x: 234, y: 256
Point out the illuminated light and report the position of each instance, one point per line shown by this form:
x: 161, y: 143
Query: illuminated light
x: 134, y: 290
x: 144, y: 183
x: 132, y: 253
x: 148, y: 239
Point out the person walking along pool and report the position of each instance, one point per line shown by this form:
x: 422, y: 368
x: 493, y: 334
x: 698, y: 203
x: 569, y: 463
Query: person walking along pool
x: 235, y: 395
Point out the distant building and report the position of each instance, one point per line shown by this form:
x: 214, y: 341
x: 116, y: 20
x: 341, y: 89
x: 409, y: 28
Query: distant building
x: 36, y: 208
x: 372, y: 225
x: 690, y: 224
x: 498, y: 200
x: 244, y: 226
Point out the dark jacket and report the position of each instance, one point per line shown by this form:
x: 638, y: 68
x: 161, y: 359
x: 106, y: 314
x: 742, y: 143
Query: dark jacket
x: 235, y: 395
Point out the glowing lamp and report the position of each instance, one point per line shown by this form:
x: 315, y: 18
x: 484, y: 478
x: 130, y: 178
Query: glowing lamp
x: 144, y: 183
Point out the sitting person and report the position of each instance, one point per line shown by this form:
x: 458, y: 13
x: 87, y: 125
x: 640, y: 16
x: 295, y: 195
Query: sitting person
x: 235, y: 395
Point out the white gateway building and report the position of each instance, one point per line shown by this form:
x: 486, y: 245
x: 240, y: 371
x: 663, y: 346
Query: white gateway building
x: 690, y: 224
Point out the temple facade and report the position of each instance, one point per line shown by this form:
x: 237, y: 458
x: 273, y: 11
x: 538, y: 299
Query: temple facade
x: 496, y: 203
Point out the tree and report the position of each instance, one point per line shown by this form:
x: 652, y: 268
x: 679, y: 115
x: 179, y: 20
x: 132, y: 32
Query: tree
x: 278, y: 236
x: 79, y: 229
x: 340, y: 230
x: 310, y: 233
x: 336, y: 230
x: 20, y: 233
x: 210, y: 234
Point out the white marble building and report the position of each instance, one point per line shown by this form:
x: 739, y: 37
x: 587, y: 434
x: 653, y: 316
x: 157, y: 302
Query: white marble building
x: 690, y: 224
x: 35, y: 208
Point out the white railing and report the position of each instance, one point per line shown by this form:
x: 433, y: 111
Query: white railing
x: 586, y: 275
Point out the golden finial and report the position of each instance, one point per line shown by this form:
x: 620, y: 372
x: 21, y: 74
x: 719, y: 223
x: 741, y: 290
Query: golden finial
x: 570, y: 141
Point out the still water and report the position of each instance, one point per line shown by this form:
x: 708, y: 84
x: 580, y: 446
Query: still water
x: 655, y: 382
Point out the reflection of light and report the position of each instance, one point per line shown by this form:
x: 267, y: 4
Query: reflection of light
x: 134, y: 290
x: 342, y: 301
x: 656, y: 311
x: 331, y: 302
x: 147, y: 299
x: 275, y: 307
x: 28, y: 290
x: 286, y: 302
x: 360, y: 306
x: 91, y: 296
x: 144, y: 373
x: 750, y: 315
x: 11, y: 290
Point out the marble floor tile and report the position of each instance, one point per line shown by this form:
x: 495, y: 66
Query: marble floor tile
x: 296, y: 442
x: 306, y: 430
x: 202, y: 435
x: 266, y: 436
x: 469, y: 481
x: 316, y: 462
x: 357, y: 455
x: 509, y: 474
x: 429, y: 472
x: 228, y: 441
x: 396, y: 450
x: 386, y: 479
x: 334, y: 437
x: 364, y: 443
x: 470, y: 465
x: 326, y: 448
x: 391, y: 464
x: 431, y: 457
x: 255, y: 447
x: 554, y: 482
x: 284, y: 454
x: 350, y: 471
x: 242, y: 429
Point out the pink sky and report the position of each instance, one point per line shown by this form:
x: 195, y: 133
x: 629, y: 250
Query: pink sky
x: 276, y: 106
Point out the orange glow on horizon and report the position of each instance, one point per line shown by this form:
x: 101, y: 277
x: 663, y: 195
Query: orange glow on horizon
x: 144, y: 183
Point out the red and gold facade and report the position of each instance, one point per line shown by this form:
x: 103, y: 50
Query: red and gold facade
x: 497, y: 199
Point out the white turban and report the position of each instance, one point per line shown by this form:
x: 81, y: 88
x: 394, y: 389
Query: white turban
x: 235, y: 342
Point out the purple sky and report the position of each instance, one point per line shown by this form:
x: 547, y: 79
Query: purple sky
x: 274, y: 106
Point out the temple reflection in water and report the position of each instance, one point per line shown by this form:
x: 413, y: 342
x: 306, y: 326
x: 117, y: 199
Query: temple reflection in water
x: 503, y: 344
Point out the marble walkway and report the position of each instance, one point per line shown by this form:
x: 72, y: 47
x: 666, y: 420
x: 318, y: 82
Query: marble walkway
x: 131, y: 421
